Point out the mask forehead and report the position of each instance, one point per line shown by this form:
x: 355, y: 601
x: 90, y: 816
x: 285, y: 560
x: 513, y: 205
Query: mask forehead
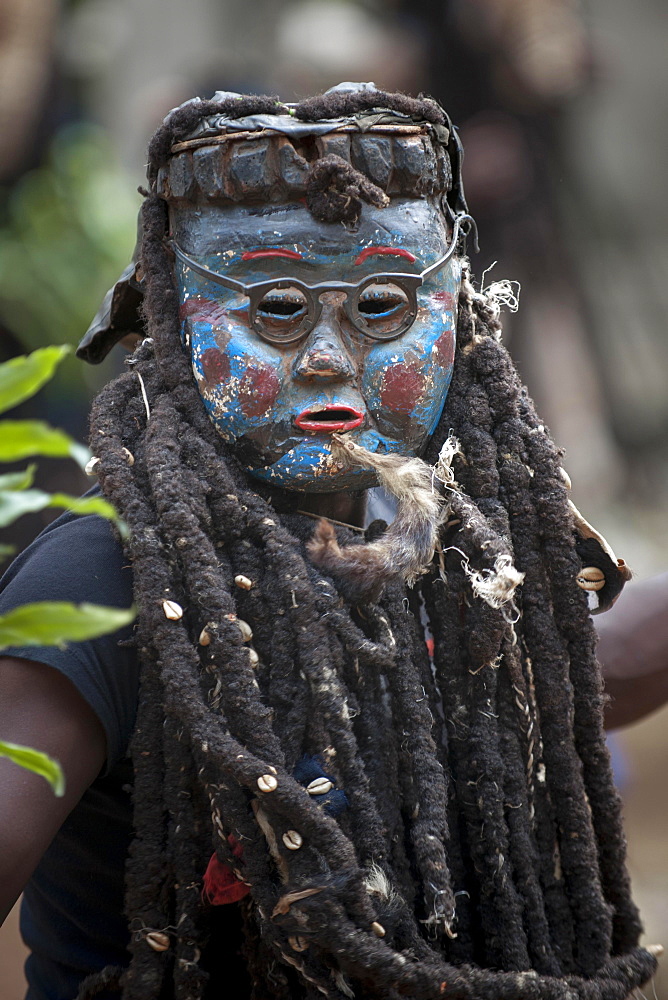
x: 228, y: 231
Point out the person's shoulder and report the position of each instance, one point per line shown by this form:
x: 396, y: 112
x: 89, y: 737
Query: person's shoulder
x: 75, y: 558
x: 80, y: 560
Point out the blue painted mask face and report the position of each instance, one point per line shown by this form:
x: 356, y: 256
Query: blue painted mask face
x: 282, y: 368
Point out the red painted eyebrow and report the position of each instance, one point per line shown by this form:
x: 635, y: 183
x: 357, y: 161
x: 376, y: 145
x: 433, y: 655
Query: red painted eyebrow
x: 385, y: 251
x: 271, y: 252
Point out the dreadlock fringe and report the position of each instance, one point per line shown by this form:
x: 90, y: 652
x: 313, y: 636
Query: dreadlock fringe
x: 488, y: 302
x: 484, y: 796
x: 495, y: 585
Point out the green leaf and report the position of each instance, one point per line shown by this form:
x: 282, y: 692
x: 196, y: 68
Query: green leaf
x: 6, y: 550
x: 35, y: 760
x: 83, y: 505
x: 18, y: 480
x: 53, y: 623
x: 22, y: 377
x: 21, y: 438
x: 88, y: 505
x: 14, y: 504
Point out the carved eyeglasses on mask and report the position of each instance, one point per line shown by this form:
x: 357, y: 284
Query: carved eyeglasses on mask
x: 285, y: 310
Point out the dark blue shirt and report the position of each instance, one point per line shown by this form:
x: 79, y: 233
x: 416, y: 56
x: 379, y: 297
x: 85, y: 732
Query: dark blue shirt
x: 72, y: 914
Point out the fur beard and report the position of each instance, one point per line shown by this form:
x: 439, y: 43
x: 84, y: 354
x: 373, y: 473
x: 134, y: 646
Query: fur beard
x: 406, y: 549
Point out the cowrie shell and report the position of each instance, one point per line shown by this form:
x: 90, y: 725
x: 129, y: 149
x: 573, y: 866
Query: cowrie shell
x: 245, y: 629
x: 320, y: 786
x: 172, y: 610
x: 157, y: 940
x: 591, y: 578
x: 292, y: 840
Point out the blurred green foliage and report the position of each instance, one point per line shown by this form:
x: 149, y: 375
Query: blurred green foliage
x: 54, y: 623
x: 21, y: 378
x: 67, y: 232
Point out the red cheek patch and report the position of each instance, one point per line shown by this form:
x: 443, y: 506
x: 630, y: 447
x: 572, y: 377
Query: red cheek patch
x: 403, y: 386
x: 204, y: 310
x: 215, y: 365
x: 258, y: 390
x: 445, y: 299
x: 445, y: 349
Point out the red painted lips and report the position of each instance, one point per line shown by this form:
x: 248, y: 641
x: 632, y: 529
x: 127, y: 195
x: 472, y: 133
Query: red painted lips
x: 329, y: 418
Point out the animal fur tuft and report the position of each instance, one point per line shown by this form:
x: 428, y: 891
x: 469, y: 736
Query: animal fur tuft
x: 379, y: 886
x: 406, y: 549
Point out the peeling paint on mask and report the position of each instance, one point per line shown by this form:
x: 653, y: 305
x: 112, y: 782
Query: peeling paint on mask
x: 444, y: 349
x: 445, y: 299
x: 204, y: 310
x: 258, y: 391
x: 215, y: 366
x: 403, y: 385
x: 254, y: 390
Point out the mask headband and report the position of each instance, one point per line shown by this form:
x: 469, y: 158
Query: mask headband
x: 256, y: 159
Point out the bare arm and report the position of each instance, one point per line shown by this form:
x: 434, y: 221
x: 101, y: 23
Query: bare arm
x: 40, y: 708
x: 633, y: 650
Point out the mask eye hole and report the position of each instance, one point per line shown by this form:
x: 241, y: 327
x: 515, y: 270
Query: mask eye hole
x: 382, y: 300
x: 384, y: 309
x: 281, y: 314
x: 282, y: 305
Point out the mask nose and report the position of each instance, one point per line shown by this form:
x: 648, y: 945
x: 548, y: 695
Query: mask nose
x: 323, y: 356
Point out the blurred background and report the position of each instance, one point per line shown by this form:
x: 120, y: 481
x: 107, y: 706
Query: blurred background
x: 562, y: 110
